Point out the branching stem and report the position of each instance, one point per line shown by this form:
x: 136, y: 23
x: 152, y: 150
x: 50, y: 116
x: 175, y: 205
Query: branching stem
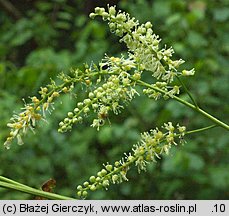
x: 187, y: 91
x: 14, y: 185
x: 197, y: 109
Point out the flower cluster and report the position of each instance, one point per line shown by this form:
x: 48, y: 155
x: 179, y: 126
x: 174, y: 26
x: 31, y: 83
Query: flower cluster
x: 144, y: 48
x: 109, y: 95
x: 115, y: 78
x: 166, y: 91
x: 143, y: 43
x: 152, y: 145
x: 21, y: 123
x: 34, y: 111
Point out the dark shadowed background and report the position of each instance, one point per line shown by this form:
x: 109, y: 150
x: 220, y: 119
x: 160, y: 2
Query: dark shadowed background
x: 39, y: 39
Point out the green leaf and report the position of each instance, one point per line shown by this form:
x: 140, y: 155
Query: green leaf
x: 221, y: 14
x: 105, y: 134
x: 196, y: 40
x: 219, y: 176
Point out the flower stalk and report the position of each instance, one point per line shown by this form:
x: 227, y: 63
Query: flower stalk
x: 110, y: 86
x: 13, y: 185
x: 152, y: 146
x: 186, y: 103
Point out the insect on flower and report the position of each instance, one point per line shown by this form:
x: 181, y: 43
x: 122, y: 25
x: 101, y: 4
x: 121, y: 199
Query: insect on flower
x: 103, y: 115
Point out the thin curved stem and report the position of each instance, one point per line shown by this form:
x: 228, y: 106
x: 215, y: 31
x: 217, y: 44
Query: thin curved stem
x: 127, y: 163
x: 10, y: 181
x: 197, y: 109
x: 11, y: 184
x: 26, y: 189
x: 201, y: 129
x: 187, y: 91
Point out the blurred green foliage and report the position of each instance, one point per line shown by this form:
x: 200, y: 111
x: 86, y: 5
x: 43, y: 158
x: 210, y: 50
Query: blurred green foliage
x: 53, y: 36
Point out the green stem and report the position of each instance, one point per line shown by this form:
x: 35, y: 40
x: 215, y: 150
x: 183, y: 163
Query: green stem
x: 59, y: 87
x: 11, y: 184
x: 4, y: 179
x: 187, y: 91
x: 129, y: 163
x: 33, y: 191
x: 197, y: 109
x: 201, y: 129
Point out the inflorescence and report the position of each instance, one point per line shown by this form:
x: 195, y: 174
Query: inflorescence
x: 144, y: 48
x: 115, y: 78
x: 152, y: 145
x: 110, y: 86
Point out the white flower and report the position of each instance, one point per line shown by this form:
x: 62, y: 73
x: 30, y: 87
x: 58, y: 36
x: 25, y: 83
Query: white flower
x: 188, y: 72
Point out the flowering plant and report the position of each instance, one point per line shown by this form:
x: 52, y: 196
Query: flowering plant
x: 110, y: 86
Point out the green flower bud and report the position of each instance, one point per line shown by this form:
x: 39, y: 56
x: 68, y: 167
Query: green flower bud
x: 188, y: 72
x: 148, y: 25
x: 130, y: 158
x: 99, y: 10
x: 112, y: 26
x: 44, y: 90
x: 109, y: 167
x: 142, y: 67
x: 80, y: 119
x: 66, y: 120
x: 100, y: 89
x: 105, y: 183
x: 145, y: 91
x: 99, y: 95
x: 76, y: 110
x: 86, y: 184
x: 92, y: 187
x: 103, y: 172
x: 149, y: 157
x: 69, y: 127
x: 117, y: 163
x: 95, y: 106
x: 137, y: 76
x: 116, y: 80
x: 99, y: 174
x: 61, y: 124
x: 74, y: 120
x: 79, y: 187
x: 97, y: 179
x: 84, y: 193
x: 105, y: 15
x: 98, y: 186
x: 112, y: 11
x: 114, y: 178
x: 121, y: 17
x: 170, y: 139
x: 92, y: 179
x: 63, y: 128
x: 161, y: 84
x: 92, y: 15
x: 181, y: 129
x: 119, y: 33
x: 86, y: 110
x: 159, y: 135
x: 91, y: 95
x: 87, y: 101
x: 155, y: 43
x: 105, y: 86
x: 80, y: 105
x: 70, y: 114
x: 126, y: 81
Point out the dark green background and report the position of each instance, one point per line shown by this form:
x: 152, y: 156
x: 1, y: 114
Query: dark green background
x: 39, y: 39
